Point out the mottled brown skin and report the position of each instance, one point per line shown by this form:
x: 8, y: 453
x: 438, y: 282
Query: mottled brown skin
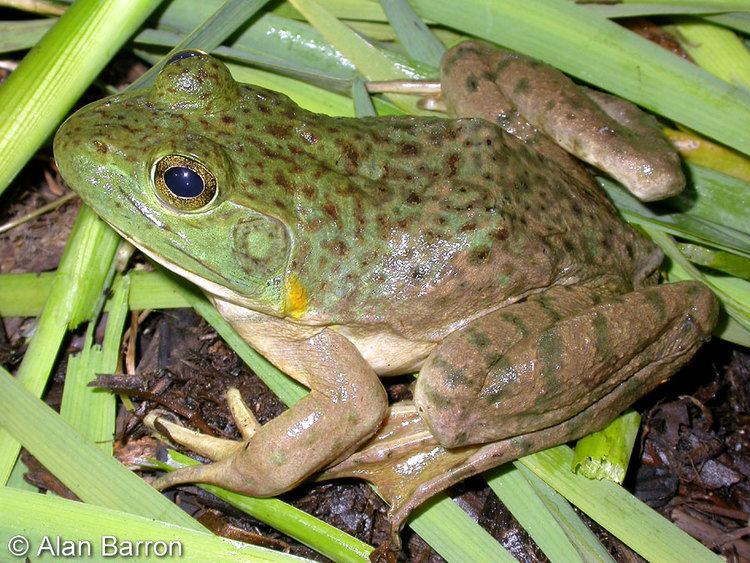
x: 536, y: 103
x: 347, y: 249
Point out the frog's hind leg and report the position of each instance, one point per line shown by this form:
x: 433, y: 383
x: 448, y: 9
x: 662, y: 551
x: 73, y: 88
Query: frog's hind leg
x: 538, y: 363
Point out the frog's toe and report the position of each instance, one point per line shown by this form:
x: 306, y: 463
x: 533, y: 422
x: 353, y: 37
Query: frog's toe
x: 208, y: 446
x: 244, y: 418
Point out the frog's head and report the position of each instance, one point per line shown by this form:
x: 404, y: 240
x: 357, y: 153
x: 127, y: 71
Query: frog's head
x: 158, y: 165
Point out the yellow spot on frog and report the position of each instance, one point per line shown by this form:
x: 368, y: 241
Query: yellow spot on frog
x: 296, y: 300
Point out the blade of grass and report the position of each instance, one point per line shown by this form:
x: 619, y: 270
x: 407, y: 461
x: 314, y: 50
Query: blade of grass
x: 731, y: 264
x: 707, y: 5
x: 578, y: 532
x: 89, y: 410
x: 35, y: 515
x: 736, y: 20
x: 521, y: 499
x: 456, y: 537
x: 623, y: 10
x: 369, y: 60
x: 641, y: 528
x: 92, y: 475
x: 19, y: 35
x: 210, y: 34
x: 716, y: 49
x: 281, y: 63
x: 414, y: 35
x: 733, y: 293
x: 38, y: 94
x: 616, y: 59
x: 316, y: 534
x: 85, y: 266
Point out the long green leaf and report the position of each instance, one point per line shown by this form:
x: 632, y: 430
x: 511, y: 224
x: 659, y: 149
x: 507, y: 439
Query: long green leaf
x: 320, y: 536
x: 41, y: 519
x: 49, y: 80
x: 91, y: 474
x: 85, y: 266
x: 640, y: 527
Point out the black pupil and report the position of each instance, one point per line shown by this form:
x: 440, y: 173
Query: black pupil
x: 182, y: 55
x: 183, y: 182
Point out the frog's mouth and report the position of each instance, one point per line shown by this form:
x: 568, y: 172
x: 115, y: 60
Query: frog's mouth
x: 219, y: 285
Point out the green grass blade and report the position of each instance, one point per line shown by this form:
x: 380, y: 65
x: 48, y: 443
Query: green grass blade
x: 456, y: 537
x: 581, y: 536
x: 414, y: 35
x: 92, y: 475
x: 628, y: 10
x: 518, y: 496
x: 363, y: 105
x: 737, y: 21
x: 641, y: 528
x: 733, y: 293
x: 77, y: 289
x: 278, y: 62
x: 210, y: 34
x: 89, y: 410
x: 37, y: 516
x: 314, y: 533
x: 705, y: 5
x: 369, y: 60
x: 56, y: 72
x: 731, y: 264
x: 710, y: 211
x: 731, y: 331
x: 19, y: 35
x: 24, y: 295
x: 560, y: 33
x: 716, y: 49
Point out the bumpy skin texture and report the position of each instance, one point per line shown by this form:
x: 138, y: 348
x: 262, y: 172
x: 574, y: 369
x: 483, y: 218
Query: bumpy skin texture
x: 536, y: 103
x: 344, y: 249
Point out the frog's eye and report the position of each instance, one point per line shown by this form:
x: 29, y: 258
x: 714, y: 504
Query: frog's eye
x: 184, y: 183
x: 186, y: 54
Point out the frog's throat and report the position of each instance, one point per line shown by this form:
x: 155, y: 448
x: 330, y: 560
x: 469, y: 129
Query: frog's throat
x: 210, y: 287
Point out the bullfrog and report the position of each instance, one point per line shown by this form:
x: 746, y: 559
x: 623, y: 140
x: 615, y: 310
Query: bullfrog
x: 346, y: 250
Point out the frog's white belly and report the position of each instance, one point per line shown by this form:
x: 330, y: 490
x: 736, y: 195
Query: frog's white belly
x: 386, y: 352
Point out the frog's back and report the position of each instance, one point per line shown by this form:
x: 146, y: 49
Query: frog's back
x: 429, y: 222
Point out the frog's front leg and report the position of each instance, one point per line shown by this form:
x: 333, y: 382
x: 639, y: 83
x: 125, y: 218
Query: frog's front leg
x: 538, y: 364
x: 346, y: 405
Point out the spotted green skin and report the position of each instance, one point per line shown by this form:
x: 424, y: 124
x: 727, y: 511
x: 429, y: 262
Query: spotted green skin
x: 346, y: 248
x: 386, y: 221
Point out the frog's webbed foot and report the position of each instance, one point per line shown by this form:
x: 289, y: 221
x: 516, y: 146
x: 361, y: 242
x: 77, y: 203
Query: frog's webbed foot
x: 345, y: 406
x: 211, y: 447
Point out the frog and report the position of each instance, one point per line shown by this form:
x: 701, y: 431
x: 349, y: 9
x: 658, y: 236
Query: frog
x: 346, y: 250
